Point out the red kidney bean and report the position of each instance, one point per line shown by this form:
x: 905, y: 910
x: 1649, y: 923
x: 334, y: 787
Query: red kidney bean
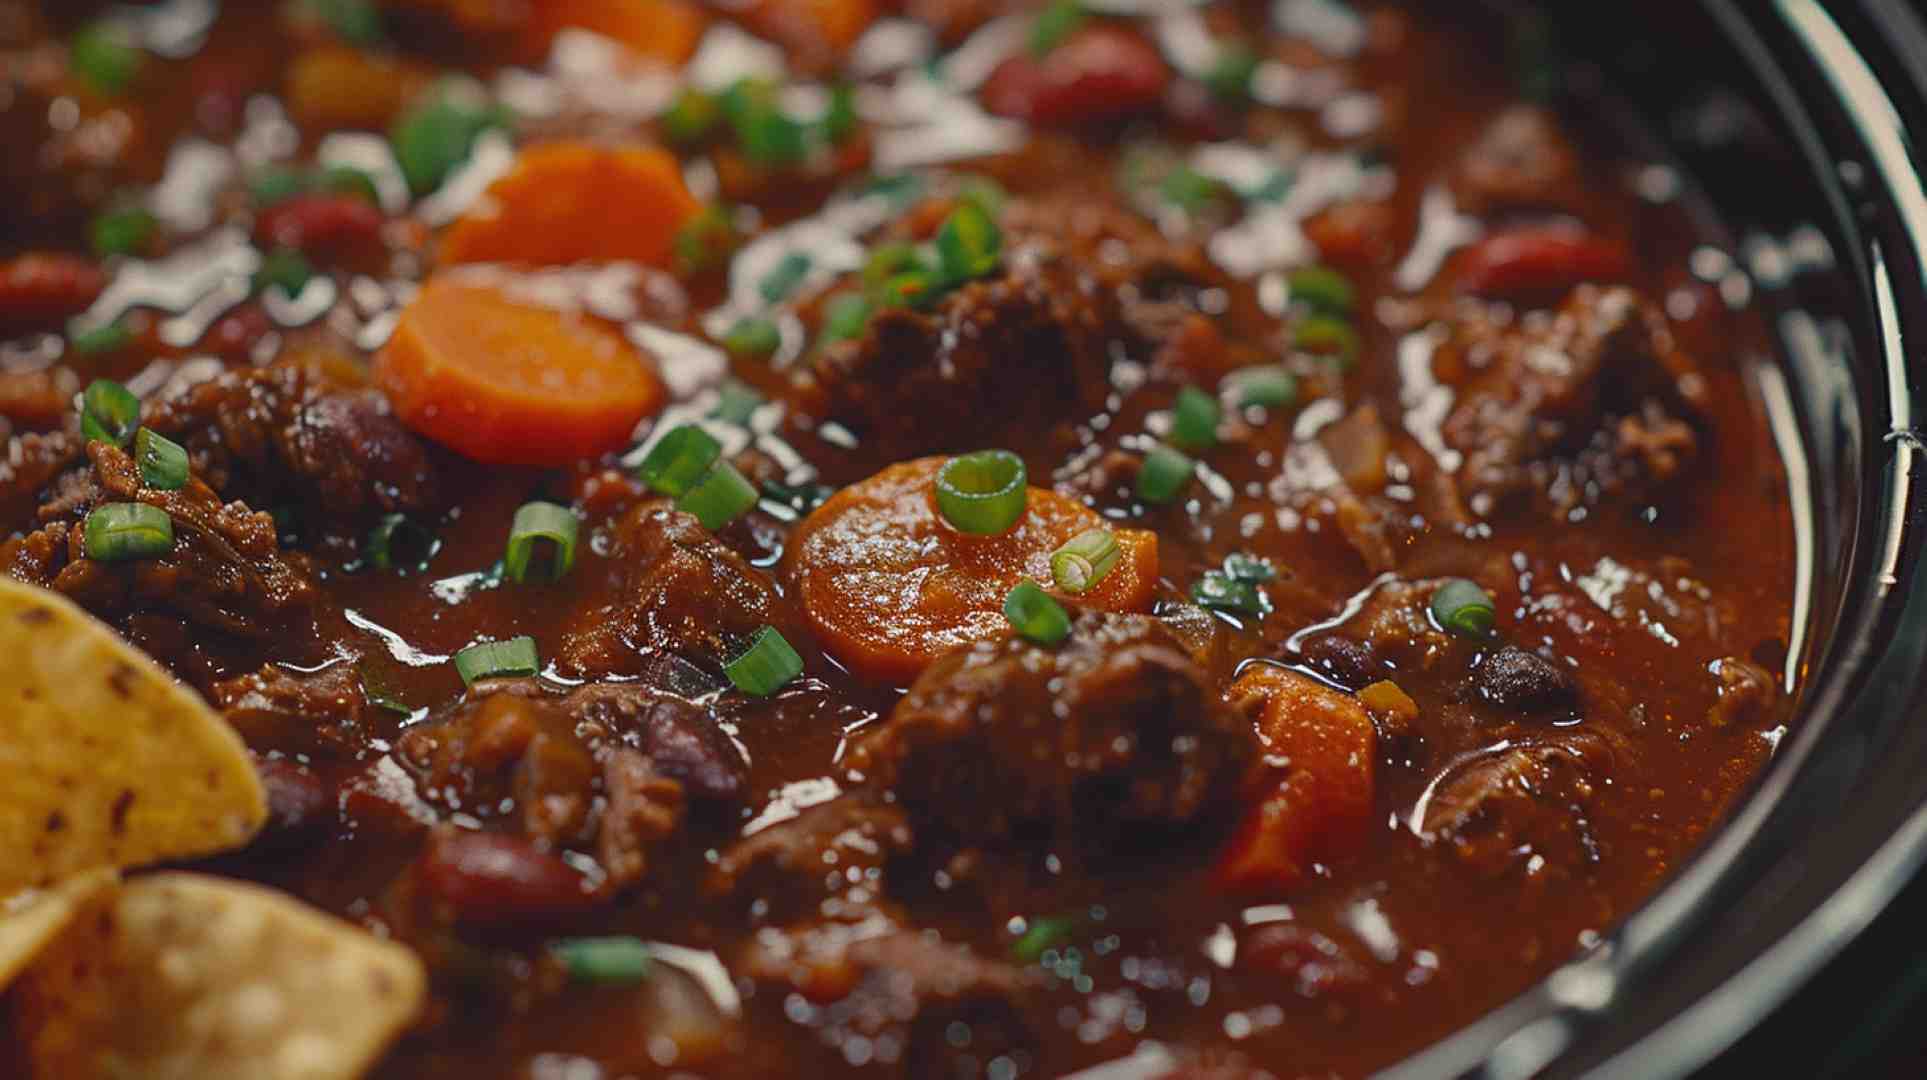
x: 496, y: 878
x: 1100, y: 72
x: 319, y: 222
x: 300, y: 804
x: 1540, y: 261
x: 39, y: 289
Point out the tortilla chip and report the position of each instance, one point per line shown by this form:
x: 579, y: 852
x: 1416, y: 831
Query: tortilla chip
x: 107, y: 760
x: 186, y: 976
x: 32, y: 919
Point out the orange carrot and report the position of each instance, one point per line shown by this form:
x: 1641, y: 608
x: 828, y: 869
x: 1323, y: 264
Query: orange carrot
x: 889, y: 585
x: 665, y: 30
x: 511, y: 383
x: 1322, y: 807
x: 334, y: 86
x: 566, y: 202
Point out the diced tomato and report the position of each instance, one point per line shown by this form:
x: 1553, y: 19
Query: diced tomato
x: 320, y: 223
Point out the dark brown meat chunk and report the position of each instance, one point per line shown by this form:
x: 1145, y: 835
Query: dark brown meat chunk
x: 1586, y: 404
x: 1525, y: 804
x: 508, y: 746
x: 1746, y: 692
x: 321, y: 713
x: 32, y: 461
x: 226, y: 572
x: 794, y: 863
x: 1521, y: 161
x: 1388, y: 631
x: 677, y: 590
x: 644, y: 809
x: 682, y: 740
x: 1521, y: 681
x: 1111, y: 739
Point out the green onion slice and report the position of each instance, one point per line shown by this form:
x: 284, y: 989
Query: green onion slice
x: 1322, y: 289
x: 1220, y: 592
x: 286, y: 269
x: 125, y: 231
x: 106, y: 58
x: 1054, y: 24
x: 1229, y: 76
x: 844, y: 317
x: 1190, y: 190
x: 118, y: 532
x: 767, y: 135
x: 396, y: 543
x: 106, y: 338
x: 679, y: 459
x: 1463, y: 608
x: 1036, y: 615
x: 109, y: 412
x: 912, y: 288
x: 435, y: 137
x: 498, y: 660
x: 753, y: 338
x: 1239, y: 566
x: 969, y: 243
x: 720, y: 497
x: 765, y: 665
x: 840, y: 119
x: 704, y: 241
x: 886, y: 261
x: 1041, y: 936
x: 1194, y: 419
x: 621, y: 961
x: 1328, y: 335
x: 1164, y: 474
x: 355, y: 21
x: 983, y: 493
x: 736, y: 402
x: 163, y: 462
x: 1265, y: 386
x: 1084, y: 559
x: 537, y: 523
x: 784, y: 279
x: 691, y: 117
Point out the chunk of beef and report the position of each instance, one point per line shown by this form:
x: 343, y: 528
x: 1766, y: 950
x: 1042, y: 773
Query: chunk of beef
x: 226, y: 571
x: 918, y: 383
x: 1521, y: 161
x: 678, y: 591
x: 1504, y: 807
x: 32, y: 462
x: 1746, y: 693
x: 304, y: 430
x: 793, y: 864
x: 1387, y: 630
x: 507, y: 747
x: 1113, y: 738
x: 1589, y: 403
x: 644, y: 809
x: 321, y: 713
x: 1521, y: 681
x: 682, y: 740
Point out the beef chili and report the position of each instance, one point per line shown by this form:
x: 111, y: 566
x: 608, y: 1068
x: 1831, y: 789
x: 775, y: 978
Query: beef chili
x: 929, y: 539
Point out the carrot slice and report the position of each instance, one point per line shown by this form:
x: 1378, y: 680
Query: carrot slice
x: 665, y: 30
x: 888, y: 585
x: 1323, y: 806
x: 567, y: 202
x: 511, y: 383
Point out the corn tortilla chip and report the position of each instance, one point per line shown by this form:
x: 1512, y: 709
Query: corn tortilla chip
x: 108, y: 761
x: 184, y: 976
x: 33, y: 918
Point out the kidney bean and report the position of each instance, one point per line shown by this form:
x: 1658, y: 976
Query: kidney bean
x: 1100, y: 72
x: 300, y: 804
x: 495, y: 878
x: 1540, y: 261
x: 39, y: 289
x: 319, y: 222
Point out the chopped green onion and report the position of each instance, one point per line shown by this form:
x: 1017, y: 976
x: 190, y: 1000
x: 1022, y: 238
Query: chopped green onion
x: 753, y: 338
x: 1229, y: 76
x: 348, y: 180
x: 619, y: 960
x: 1084, y: 559
x: 736, y: 402
x: 432, y: 139
x: 534, y: 524
x: 163, y: 462
x: 1239, y: 566
x: 1190, y: 190
x: 1462, y: 607
x: 1164, y: 474
x: 1054, y: 24
x: 286, y: 269
x: 766, y: 664
x: 109, y: 412
x: 276, y: 185
x: 969, y: 243
x: 840, y: 119
x: 125, y: 231
x: 844, y: 317
x: 1322, y: 289
x: 720, y: 497
x: 679, y: 459
x: 396, y: 543
x: 1266, y: 386
x: 767, y: 135
x: 106, y: 58
x: 888, y: 260
x: 985, y: 192
x: 498, y: 660
x: 1194, y: 419
x: 912, y: 288
x: 703, y: 242
x: 1222, y: 593
x: 354, y: 21
x: 984, y: 493
x: 1275, y: 187
x: 691, y: 117
x: 1329, y: 336
x: 1041, y: 936
x: 105, y: 338
x: 899, y: 189
x: 788, y: 274
x: 118, y: 532
x: 1036, y: 615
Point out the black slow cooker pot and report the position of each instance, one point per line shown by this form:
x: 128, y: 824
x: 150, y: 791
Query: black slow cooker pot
x: 1803, y: 123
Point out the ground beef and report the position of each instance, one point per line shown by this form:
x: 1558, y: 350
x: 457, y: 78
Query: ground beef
x: 1109, y: 740
x: 678, y: 591
x: 1588, y: 403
